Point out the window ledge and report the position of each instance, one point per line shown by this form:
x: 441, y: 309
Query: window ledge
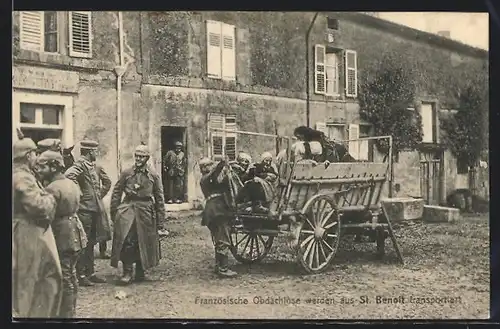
x: 431, y: 147
x: 61, y: 61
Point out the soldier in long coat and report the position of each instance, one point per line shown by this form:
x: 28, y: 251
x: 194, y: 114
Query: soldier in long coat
x: 216, y: 213
x: 36, y: 271
x: 94, y: 185
x: 68, y: 230
x: 137, y: 218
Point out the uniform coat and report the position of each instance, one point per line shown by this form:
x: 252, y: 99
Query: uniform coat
x: 36, y: 271
x: 214, y: 188
x: 94, y: 185
x: 144, y: 206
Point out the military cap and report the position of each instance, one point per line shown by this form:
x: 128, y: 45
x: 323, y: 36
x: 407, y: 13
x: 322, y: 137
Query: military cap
x: 142, y: 150
x: 52, y: 144
x: 89, y: 144
x: 178, y: 143
x: 204, y: 162
x: 22, y: 147
x: 50, y: 156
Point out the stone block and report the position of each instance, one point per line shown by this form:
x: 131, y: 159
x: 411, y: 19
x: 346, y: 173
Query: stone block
x: 401, y: 209
x: 438, y: 214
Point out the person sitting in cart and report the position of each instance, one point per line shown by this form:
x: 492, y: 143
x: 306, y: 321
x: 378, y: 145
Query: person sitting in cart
x: 330, y: 150
x: 241, y: 166
x: 259, y: 190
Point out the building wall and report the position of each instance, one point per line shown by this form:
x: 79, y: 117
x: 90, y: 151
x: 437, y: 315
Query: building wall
x: 165, y: 82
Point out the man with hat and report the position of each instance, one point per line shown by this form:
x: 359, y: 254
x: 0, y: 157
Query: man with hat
x: 175, y: 169
x: 52, y: 144
x: 68, y: 230
x: 216, y: 213
x: 136, y: 219
x: 36, y: 271
x: 94, y: 185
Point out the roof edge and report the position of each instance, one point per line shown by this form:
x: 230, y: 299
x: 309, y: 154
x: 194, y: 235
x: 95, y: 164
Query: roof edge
x: 411, y: 33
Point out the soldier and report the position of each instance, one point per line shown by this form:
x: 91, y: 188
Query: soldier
x: 68, y: 230
x: 136, y: 219
x: 36, y: 271
x: 94, y: 185
x: 175, y: 169
x: 49, y: 144
x: 216, y: 213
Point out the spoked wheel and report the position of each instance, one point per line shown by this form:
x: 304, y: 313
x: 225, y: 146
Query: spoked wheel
x: 319, y: 235
x: 250, y: 247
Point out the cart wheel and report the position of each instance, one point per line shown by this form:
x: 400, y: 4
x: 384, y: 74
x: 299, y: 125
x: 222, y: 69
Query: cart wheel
x: 250, y: 247
x: 319, y: 235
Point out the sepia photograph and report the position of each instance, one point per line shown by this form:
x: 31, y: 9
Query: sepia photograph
x: 209, y: 165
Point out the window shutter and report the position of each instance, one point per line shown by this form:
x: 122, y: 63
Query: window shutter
x: 321, y: 126
x: 231, y: 138
x: 31, y: 34
x: 214, y: 53
x: 354, y: 145
x: 351, y: 73
x: 319, y: 69
x: 80, y: 34
x: 228, y: 52
x: 217, y: 147
x: 216, y: 120
x: 331, y: 68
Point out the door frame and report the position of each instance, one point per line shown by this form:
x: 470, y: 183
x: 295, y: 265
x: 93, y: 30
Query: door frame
x: 188, y: 162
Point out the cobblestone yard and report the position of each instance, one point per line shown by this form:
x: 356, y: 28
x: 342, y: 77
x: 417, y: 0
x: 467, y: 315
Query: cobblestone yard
x: 447, y: 261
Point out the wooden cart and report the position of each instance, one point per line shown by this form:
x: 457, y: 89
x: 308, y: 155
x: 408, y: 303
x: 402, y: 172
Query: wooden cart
x: 314, y: 207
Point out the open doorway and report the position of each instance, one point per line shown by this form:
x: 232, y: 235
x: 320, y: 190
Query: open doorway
x: 174, y: 164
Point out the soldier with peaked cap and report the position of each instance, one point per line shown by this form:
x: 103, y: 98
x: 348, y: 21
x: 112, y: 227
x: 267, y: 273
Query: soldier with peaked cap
x: 36, y: 271
x: 175, y: 169
x: 94, y: 185
x: 136, y: 219
x: 52, y: 144
x: 216, y: 213
x: 68, y: 230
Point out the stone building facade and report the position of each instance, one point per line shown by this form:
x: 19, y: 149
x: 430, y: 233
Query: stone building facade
x: 182, y: 72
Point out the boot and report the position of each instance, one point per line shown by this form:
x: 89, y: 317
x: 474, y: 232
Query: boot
x: 83, y: 281
x: 127, y: 274
x: 139, y: 272
x: 223, y: 270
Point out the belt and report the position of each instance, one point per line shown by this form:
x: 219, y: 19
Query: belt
x: 137, y: 198
x: 212, y: 196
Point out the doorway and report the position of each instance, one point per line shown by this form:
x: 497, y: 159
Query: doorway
x: 175, y: 179
x: 431, y: 176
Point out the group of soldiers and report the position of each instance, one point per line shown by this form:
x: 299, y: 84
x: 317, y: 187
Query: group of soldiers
x: 59, y: 217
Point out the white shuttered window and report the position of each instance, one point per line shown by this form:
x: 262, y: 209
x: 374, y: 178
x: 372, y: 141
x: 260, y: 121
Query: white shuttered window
x: 80, y: 34
x: 354, y: 145
x: 221, y: 50
x: 319, y: 69
x: 31, y: 30
x: 222, y: 144
x: 332, y: 74
x: 351, y: 73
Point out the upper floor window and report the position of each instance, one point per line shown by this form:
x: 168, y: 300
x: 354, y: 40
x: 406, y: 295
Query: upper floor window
x: 327, y: 68
x: 221, y: 52
x: 429, y: 126
x: 42, y: 31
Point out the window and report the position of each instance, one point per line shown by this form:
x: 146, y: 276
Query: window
x: 429, y: 128
x: 41, y: 31
x: 221, y: 52
x: 222, y: 144
x: 462, y: 166
x: 327, y: 63
x: 40, y: 121
x: 336, y: 132
x: 360, y: 150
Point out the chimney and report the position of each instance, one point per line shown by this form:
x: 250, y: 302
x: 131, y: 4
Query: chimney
x: 445, y: 34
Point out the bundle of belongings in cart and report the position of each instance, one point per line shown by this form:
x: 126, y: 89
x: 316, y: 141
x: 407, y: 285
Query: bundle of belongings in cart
x: 260, y: 180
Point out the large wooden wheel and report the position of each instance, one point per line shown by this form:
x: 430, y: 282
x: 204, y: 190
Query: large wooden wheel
x: 320, y: 234
x: 250, y: 247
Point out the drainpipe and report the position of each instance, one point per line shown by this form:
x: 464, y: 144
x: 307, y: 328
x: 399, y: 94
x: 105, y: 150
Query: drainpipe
x: 119, y: 71
x: 308, y: 111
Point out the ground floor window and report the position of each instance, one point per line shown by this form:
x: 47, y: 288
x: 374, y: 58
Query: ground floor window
x: 42, y: 115
x: 222, y: 143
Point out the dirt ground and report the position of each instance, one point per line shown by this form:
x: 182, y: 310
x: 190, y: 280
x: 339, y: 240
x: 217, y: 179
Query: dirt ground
x: 446, y: 263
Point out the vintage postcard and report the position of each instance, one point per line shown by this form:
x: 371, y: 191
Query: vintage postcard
x: 250, y: 165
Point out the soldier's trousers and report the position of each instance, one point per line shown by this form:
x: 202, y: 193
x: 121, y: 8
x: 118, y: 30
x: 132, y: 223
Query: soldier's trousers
x: 70, y: 283
x: 85, y: 264
x: 175, y: 188
x: 220, y: 231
